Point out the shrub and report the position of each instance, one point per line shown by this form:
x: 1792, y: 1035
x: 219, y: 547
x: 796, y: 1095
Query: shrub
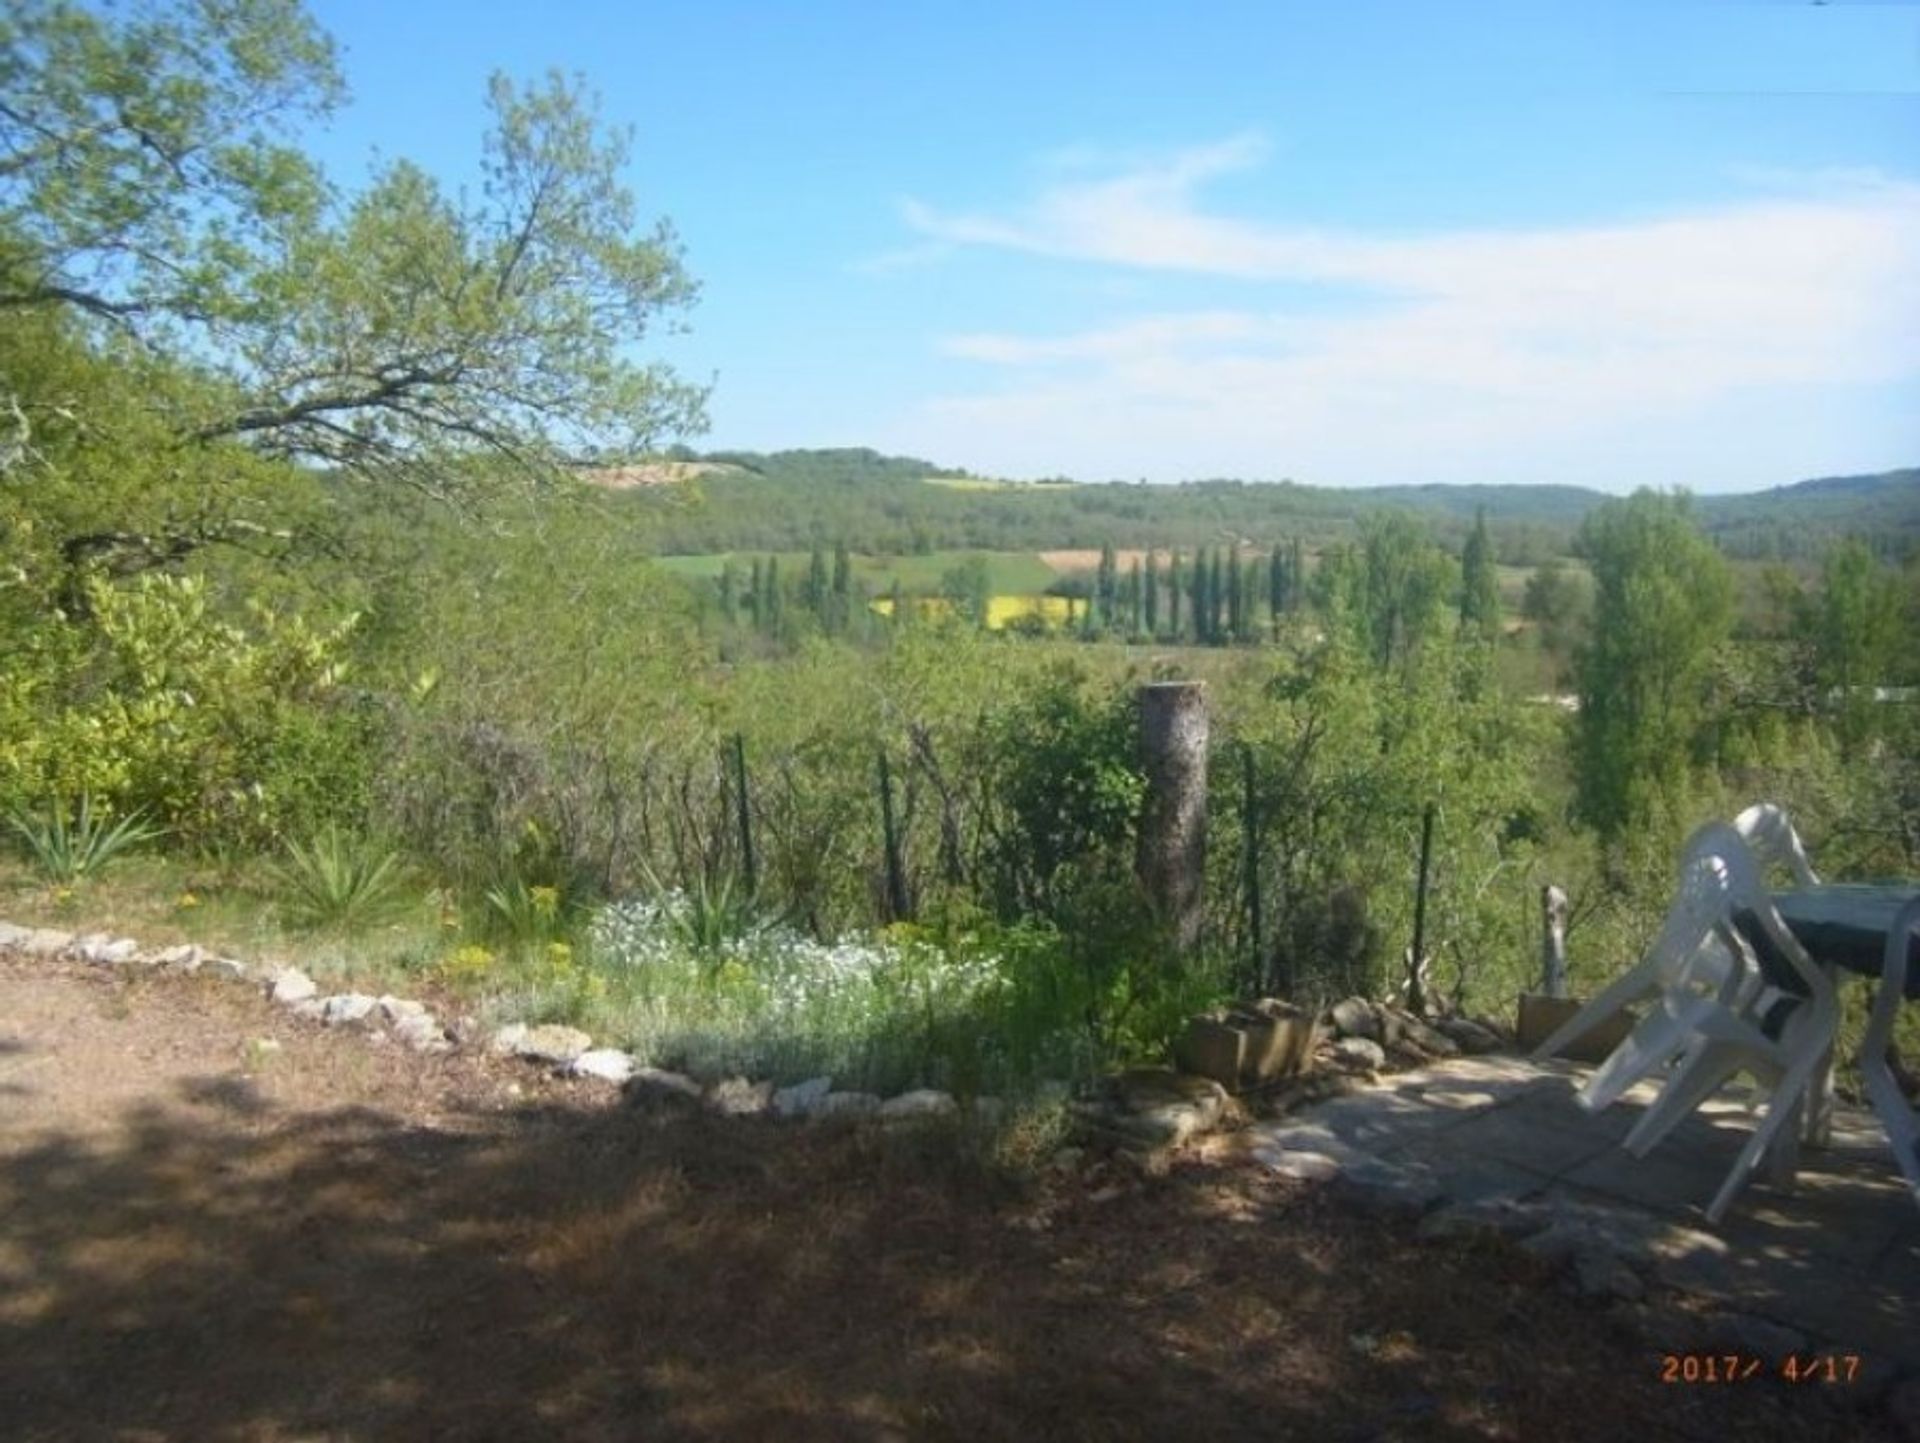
x: 70, y: 852
x: 153, y: 703
x: 339, y: 882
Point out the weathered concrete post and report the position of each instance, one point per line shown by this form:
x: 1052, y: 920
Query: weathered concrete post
x: 1553, y: 941
x: 1172, y: 860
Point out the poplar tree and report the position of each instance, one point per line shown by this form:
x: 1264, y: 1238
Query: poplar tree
x: 1152, y: 602
x: 1479, y: 588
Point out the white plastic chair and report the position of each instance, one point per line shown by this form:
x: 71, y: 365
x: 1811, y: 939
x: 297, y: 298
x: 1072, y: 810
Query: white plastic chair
x: 1775, y: 844
x: 1685, y: 957
x: 1771, y: 837
x: 1900, y: 1120
x: 1724, y: 1034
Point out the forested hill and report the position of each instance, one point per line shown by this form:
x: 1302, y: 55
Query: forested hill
x: 789, y: 500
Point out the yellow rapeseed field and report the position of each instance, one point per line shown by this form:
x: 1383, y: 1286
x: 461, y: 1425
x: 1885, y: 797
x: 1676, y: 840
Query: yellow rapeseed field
x: 1055, y: 610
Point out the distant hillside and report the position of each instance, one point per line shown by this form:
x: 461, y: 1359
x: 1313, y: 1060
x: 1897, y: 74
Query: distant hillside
x: 1787, y: 522
x: 878, y: 504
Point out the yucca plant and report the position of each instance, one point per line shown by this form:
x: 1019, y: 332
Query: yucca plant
x: 69, y: 851
x: 338, y: 882
x: 527, y: 916
x: 711, y: 912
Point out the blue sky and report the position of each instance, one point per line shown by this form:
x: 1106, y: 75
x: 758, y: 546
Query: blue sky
x: 1351, y: 244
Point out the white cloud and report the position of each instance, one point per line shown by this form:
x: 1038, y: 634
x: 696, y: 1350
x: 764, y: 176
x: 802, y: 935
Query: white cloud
x: 1487, y: 342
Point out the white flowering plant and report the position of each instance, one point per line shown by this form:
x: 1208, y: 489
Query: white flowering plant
x: 876, y: 1011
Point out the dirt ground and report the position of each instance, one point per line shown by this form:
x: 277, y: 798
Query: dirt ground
x: 203, y: 1237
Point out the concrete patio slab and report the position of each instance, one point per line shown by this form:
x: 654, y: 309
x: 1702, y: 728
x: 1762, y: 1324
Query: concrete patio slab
x: 1835, y: 1258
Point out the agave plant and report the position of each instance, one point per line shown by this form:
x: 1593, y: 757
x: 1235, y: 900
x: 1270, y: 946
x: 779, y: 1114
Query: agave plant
x: 339, y: 882
x: 68, y: 851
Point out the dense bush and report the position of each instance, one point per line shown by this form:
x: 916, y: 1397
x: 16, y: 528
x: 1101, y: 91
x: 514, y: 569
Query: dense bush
x: 215, y: 730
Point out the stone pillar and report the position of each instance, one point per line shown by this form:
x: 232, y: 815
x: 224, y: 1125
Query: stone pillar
x: 1172, y: 860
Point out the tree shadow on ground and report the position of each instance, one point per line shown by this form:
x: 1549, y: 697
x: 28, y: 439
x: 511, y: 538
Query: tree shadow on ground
x: 614, y: 1273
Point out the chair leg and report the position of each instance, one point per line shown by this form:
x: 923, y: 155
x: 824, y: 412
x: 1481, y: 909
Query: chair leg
x: 1649, y: 1047
x: 1896, y: 1115
x: 1817, y: 1129
x: 1781, y: 1111
x: 1707, y: 1065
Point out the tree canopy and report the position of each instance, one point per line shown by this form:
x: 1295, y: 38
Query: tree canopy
x: 158, y: 216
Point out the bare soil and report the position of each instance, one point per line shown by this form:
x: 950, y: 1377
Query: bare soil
x: 202, y: 1238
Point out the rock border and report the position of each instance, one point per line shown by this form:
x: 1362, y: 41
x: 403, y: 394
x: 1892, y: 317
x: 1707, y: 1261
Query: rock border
x: 565, y: 1051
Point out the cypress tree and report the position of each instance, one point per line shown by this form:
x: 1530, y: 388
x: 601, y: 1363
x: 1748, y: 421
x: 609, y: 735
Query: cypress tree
x: 1296, y: 575
x: 1276, y: 588
x: 816, y: 592
x: 1216, y: 601
x: 726, y: 591
x: 757, y: 594
x: 1199, y: 595
x: 774, y: 601
x: 1176, y: 587
x: 1105, y: 584
x: 1479, y: 588
x: 842, y: 607
x: 1236, y: 596
x: 1136, y: 597
x: 1152, y: 600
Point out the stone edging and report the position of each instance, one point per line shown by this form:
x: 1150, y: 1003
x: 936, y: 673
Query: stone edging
x: 565, y: 1051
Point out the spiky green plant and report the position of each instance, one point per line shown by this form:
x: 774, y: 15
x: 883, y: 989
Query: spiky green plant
x: 338, y: 882
x: 68, y: 851
x: 710, y: 912
x: 529, y: 917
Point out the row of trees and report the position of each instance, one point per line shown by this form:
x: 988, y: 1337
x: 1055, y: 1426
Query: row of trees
x: 770, y: 602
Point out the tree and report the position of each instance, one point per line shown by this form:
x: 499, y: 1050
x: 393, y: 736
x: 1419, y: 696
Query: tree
x: 1479, y: 586
x: 816, y: 589
x: 1555, y: 599
x: 757, y: 594
x: 842, y: 608
x: 1136, y: 598
x: 151, y: 193
x: 1176, y: 588
x: 969, y: 587
x: 1851, y: 630
x: 1236, y: 596
x: 774, y: 599
x: 1405, y: 583
x: 1199, y: 599
x: 1152, y: 601
x: 1216, y: 600
x: 1277, y: 588
x: 1105, y: 585
x: 1663, y: 608
x: 1297, y: 574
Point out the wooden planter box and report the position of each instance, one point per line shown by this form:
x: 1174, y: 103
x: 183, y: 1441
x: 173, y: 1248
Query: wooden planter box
x: 1540, y: 1016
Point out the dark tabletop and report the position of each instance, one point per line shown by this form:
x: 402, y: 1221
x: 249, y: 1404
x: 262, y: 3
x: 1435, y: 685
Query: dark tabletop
x: 1844, y: 924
